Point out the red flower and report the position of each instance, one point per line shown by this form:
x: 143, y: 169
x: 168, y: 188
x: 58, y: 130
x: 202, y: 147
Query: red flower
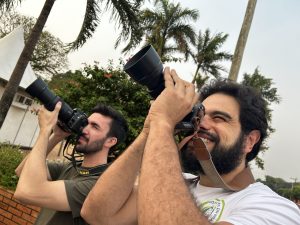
x: 109, y: 75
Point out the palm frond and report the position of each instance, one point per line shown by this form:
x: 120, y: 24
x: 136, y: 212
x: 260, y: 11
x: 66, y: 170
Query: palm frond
x: 6, y: 5
x: 208, y: 55
x: 169, y: 23
x: 125, y: 13
x: 89, y: 25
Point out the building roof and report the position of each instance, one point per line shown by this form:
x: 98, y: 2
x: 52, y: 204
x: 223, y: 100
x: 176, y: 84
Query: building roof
x: 11, y: 47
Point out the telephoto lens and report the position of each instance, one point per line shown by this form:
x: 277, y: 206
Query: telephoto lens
x: 71, y: 120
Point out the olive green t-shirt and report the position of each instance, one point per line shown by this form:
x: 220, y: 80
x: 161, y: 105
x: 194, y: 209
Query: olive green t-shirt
x: 77, y: 188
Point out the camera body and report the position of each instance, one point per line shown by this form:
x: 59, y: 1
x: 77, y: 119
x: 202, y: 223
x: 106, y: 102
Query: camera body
x: 70, y: 120
x: 146, y: 68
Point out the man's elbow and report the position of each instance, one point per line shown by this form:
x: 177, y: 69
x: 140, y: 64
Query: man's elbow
x: 25, y: 193
x: 22, y: 196
x: 17, y: 172
x: 87, y: 215
x: 92, y: 216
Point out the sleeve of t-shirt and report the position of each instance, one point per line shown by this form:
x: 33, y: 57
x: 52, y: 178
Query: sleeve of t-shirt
x: 265, y: 209
x: 77, y: 190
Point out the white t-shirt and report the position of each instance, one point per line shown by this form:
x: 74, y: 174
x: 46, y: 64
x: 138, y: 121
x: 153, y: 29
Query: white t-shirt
x: 255, y: 205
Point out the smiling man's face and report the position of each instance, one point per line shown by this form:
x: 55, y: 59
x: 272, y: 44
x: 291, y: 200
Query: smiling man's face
x: 220, y: 129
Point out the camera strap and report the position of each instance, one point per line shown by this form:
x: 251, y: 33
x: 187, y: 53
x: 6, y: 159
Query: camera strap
x: 241, y: 181
x: 91, y: 171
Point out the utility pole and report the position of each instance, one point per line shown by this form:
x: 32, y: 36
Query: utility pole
x: 295, y: 180
x: 292, y: 188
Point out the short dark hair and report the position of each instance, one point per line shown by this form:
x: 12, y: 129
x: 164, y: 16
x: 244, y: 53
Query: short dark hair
x: 253, y: 115
x: 118, y: 127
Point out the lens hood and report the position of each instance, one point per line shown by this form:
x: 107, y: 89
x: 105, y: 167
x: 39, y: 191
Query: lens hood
x: 39, y: 89
x: 146, y: 68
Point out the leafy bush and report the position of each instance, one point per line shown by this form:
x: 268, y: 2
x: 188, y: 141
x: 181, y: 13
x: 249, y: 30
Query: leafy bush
x: 10, y: 158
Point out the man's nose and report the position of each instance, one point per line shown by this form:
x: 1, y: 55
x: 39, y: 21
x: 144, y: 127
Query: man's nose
x: 85, y: 129
x: 205, y: 123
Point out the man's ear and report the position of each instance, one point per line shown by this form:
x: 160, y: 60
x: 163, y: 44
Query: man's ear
x: 111, y: 141
x: 251, y: 139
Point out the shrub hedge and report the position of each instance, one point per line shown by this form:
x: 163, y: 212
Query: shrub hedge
x: 10, y: 157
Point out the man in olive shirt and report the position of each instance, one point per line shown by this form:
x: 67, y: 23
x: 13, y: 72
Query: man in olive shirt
x: 61, y: 188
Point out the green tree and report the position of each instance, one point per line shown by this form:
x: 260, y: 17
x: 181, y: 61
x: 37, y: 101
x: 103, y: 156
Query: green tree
x: 265, y: 87
x: 276, y: 184
x: 292, y: 194
x: 49, y: 56
x: 167, y: 28
x: 201, y: 80
x: 286, y: 189
x: 296, y: 193
x: 285, y: 192
x: 93, y: 84
x: 207, y: 54
x: 122, y: 11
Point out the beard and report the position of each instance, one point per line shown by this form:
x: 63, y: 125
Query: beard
x: 88, y: 148
x: 225, y: 159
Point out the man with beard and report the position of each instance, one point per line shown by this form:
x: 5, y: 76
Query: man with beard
x: 225, y: 159
x: 233, y: 128
x: 60, y: 188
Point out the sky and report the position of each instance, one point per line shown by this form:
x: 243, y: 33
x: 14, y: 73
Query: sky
x: 272, y: 46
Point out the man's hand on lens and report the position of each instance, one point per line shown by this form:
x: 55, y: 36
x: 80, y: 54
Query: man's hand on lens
x: 176, y: 100
x: 48, y: 119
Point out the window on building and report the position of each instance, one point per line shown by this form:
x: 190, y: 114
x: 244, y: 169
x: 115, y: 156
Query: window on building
x: 23, y: 100
x: 20, y: 99
x: 28, y: 101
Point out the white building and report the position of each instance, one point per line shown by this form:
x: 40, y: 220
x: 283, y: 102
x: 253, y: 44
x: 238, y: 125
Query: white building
x: 21, y: 123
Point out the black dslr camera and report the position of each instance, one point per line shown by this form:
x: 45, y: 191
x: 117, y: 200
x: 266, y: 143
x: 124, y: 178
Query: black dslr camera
x: 70, y: 120
x: 146, y: 68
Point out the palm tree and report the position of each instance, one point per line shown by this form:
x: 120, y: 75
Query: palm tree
x: 241, y: 43
x: 123, y: 11
x: 167, y: 28
x: 207, y: 55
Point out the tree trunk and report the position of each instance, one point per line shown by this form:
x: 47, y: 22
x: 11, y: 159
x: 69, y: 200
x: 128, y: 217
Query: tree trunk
x: 17, y: 74
x: 196, y: 73
x: 241, y: 43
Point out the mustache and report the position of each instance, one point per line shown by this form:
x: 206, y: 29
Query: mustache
x: 84, y: 137
x: 210, y: 136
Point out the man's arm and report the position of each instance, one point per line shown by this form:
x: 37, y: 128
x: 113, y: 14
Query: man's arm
x: 113, y: 199
x: 163, y: 196
x: 33, y: 186
x: 57, y: 136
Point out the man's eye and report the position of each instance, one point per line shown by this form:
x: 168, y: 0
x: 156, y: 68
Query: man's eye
x: 96, y: 127
x: 219, y: 119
